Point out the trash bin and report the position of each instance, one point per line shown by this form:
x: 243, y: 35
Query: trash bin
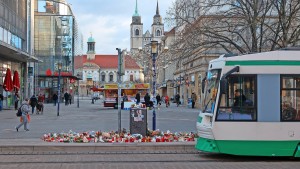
x: 138, y: 121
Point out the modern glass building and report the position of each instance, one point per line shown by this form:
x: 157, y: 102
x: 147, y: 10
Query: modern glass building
x: 16, y: 51
x: 57, y: 41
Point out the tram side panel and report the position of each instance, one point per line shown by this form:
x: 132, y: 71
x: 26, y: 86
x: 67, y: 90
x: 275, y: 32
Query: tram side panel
x: 267, y: 136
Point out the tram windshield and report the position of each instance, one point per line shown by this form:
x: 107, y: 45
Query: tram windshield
x: 212, y: 84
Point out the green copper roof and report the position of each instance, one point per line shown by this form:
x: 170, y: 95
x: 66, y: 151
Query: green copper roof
x: 136, y: 12
x: 91, y: 39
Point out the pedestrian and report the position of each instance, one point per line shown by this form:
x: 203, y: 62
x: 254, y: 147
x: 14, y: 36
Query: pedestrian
x: 33, y: 102
x: 70, y: 98
x: 167, y: 101
x: 177, y: 99
x: 66, y: 96
x: 147, y: 100
x: 194, y: 98
x: 1, y: 101
x: 158, y: 99
x: 54, y: 98
x: 16, y: 98
x: 40, y: 105
x: 138, y: 98
x: 125, y: 97
x: 25, y: 110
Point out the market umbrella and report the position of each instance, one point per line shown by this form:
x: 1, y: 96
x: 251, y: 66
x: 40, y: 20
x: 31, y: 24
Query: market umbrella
x: 16, y: 81
x: 8, y: 83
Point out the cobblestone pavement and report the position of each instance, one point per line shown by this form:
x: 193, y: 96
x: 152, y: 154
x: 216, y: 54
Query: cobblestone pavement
x: 92, y: 117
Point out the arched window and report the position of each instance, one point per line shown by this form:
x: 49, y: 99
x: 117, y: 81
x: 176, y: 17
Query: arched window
x: 111, y: 77
x: 131, y: 78
x: 137, y: 32
x: 103, y: 77
x: 158, y: 33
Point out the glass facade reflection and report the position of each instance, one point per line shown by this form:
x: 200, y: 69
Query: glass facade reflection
x: 13, y: 23
x: 56, y: 40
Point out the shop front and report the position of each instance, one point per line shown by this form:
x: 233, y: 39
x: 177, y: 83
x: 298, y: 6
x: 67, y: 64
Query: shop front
x: 127, y: 89
x: 10, y: 73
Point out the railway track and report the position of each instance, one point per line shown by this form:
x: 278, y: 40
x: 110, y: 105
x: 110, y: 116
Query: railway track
x: 129, y: 157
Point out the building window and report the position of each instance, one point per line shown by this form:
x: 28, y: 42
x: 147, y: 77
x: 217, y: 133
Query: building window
x: 290, y: 98
x: 137, y: 32
x: 131, y: 78
x: 103, y: 78
x: 111, y: 78
x: 158, y: 33
x: 239, y: 102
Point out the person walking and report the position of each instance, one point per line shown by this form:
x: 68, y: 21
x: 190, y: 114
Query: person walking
x: 147, y: 100
x: 66, y: 96
x: 158, y: 99
x: 177, y: 99
x: 70, y: 99
x: 194, y: 98
x: 33, y: 102
x: 1, y: 101
x: 138, y: 98
x: 54, y: 98
x: 25, y: 109
x: 16, y: 98
x: 40, y: 104
x: 167, y: 101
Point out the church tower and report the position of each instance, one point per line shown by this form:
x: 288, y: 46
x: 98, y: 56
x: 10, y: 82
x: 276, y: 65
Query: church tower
x: 136, y: 30
x: 157, y: 26
x: 91, y: 48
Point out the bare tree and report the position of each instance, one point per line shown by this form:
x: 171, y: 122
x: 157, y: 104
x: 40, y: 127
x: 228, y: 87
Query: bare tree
x: 237, y: 26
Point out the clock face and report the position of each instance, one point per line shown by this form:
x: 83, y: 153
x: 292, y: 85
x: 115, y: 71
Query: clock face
x: 135, y: 20
x: 156, y: 20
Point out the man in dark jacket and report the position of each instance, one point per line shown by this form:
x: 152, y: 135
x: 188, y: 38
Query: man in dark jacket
x: 1, y: 101
x: 138, y: 98
x: 147, y: 100
x: 66, y: 96
x: 33, y: 102
x: 54, y: 98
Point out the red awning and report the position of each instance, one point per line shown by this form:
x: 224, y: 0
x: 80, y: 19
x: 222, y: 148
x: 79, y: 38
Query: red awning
x: 8, y: 83
x: 16, y: 81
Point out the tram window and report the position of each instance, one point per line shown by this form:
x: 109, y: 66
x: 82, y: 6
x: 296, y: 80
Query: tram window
x: 290, y: 98
x: 239, y: 102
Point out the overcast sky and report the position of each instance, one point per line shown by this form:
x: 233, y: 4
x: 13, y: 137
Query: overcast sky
x: 109, y: 20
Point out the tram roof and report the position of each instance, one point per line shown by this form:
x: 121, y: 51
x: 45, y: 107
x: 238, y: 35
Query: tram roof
x: 291, y: 55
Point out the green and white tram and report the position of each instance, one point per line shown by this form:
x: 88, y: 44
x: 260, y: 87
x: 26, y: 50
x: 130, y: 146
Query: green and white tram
x: 252, y: 105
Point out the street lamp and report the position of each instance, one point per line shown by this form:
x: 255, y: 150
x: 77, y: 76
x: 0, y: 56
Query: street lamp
x: 78, y: 89
x: 59, y: 65
x: 154, y: 52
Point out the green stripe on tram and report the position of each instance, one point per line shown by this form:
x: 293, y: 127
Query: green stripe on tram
x: 250, y: 147
x: 264, y: 63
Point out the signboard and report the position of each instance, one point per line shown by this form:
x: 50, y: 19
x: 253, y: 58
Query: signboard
x: 30, y: 71
x: 138, y: 121
x: 128, y: 86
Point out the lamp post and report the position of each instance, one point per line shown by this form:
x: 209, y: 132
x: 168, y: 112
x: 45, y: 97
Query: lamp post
x: 59, y: 65
x: 119, y: 87
x: 154, y: 51
x: 78, y: 90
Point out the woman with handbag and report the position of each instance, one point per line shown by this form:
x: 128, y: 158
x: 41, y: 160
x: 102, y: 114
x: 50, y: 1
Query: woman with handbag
x: 25, y: 108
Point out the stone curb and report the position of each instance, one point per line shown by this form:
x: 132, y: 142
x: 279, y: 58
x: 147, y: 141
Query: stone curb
x: 39, y: 146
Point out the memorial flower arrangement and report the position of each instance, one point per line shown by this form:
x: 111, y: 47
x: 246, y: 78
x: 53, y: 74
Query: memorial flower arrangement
x: 115, y: 137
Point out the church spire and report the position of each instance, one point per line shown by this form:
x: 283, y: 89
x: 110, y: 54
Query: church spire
x: 136, y: 12
x: 157, y: 9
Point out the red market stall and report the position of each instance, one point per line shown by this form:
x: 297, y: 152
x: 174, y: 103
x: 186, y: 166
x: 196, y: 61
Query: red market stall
x: 129, y: 89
